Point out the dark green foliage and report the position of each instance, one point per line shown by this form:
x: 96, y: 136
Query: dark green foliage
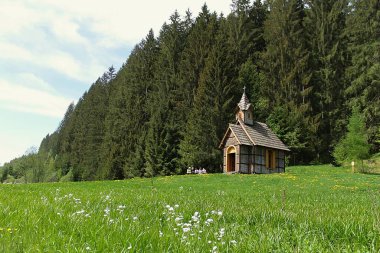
x: 326, y: 25
x: 363, y: 28
x: 304, y: 63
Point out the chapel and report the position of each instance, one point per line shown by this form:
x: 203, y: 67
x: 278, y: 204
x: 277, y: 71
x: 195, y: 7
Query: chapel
x: 250, y: 146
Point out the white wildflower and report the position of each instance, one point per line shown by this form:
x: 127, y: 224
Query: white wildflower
x: 186, y: 229
x: 161, y: 234
x: 233, y: 242
x: 135, y: 218
x: 88, y: 248
x: 195, y: 218
x: 130, y: 246
x: 220, y: 213
x: 107, y: 211
x: 176, y: 206
x: 221, y: 232
x: 208, y: 221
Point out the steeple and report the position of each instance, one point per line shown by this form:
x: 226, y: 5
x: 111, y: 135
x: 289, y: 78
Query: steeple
x: 244, y: 110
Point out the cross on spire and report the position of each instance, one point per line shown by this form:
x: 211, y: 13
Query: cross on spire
x: 244, y: 88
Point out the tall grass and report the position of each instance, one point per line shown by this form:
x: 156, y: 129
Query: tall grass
x: 307, y: 209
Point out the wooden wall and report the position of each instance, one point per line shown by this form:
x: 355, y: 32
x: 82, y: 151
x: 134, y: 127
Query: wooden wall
x: 254, y: 159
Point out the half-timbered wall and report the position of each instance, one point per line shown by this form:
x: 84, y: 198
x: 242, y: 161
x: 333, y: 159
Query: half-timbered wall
x: 259, y: 159
x: 245, y: 158
x: 254, y: 159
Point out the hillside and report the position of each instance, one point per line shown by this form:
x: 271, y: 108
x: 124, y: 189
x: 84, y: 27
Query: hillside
x: 307, y: 209
x: 305, y: 65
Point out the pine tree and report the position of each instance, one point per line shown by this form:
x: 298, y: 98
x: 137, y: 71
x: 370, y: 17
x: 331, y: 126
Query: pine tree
x: 254, y: 81
x: 363, y: 28
x: 165, y: 113
x: 326, y: 23
x: 354, y: 145
x: 198, y: 44
x: 286, y: 63
x: 128, y: 110
x: 209, y: 116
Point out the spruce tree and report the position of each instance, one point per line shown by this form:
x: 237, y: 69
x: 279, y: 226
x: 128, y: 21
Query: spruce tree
x: 212, y: 108
x: 326, y: 23
x: 354, y: 145
x: 363, y: 28
x: 287, y: 67
x: 165, y: 113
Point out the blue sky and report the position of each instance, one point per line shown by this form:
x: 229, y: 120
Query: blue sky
x: 52, y: 51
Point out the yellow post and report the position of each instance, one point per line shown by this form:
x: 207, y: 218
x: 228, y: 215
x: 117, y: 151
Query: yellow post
x: 353, y: 166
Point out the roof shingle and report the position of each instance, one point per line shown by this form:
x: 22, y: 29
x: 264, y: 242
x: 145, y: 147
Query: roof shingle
x: 240, y: 134
x: 257, y: 134
x: 261, y: 135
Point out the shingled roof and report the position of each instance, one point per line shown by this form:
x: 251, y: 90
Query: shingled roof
x: 244, y: 102
x: 240, y: 135
x: 257, y: 134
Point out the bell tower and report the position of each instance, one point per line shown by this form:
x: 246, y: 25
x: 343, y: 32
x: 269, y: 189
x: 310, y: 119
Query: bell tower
x: 244, y: 110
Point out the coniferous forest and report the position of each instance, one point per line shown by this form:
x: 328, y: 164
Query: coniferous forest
x: 305, y: 64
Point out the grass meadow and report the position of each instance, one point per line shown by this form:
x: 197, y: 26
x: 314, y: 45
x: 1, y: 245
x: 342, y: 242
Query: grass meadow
x: 306, y: 209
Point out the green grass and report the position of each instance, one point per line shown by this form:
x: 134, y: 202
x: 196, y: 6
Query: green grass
x: 307, y: 209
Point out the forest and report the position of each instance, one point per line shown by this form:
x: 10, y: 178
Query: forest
x: 305, y: 65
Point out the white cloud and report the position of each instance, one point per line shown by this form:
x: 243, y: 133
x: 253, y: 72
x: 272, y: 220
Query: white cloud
x: 50, y: 33
x: 13, y: 52
x: 27, y: 99
x: 69, y: 39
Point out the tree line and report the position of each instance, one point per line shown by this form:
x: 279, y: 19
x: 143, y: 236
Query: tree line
x: 305, y: 65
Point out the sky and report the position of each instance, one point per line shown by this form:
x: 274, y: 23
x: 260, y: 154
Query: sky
x: 51, y: 51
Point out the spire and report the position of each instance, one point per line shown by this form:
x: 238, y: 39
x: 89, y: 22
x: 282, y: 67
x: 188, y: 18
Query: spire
x: 244, y: 110
x: 244, y: 102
